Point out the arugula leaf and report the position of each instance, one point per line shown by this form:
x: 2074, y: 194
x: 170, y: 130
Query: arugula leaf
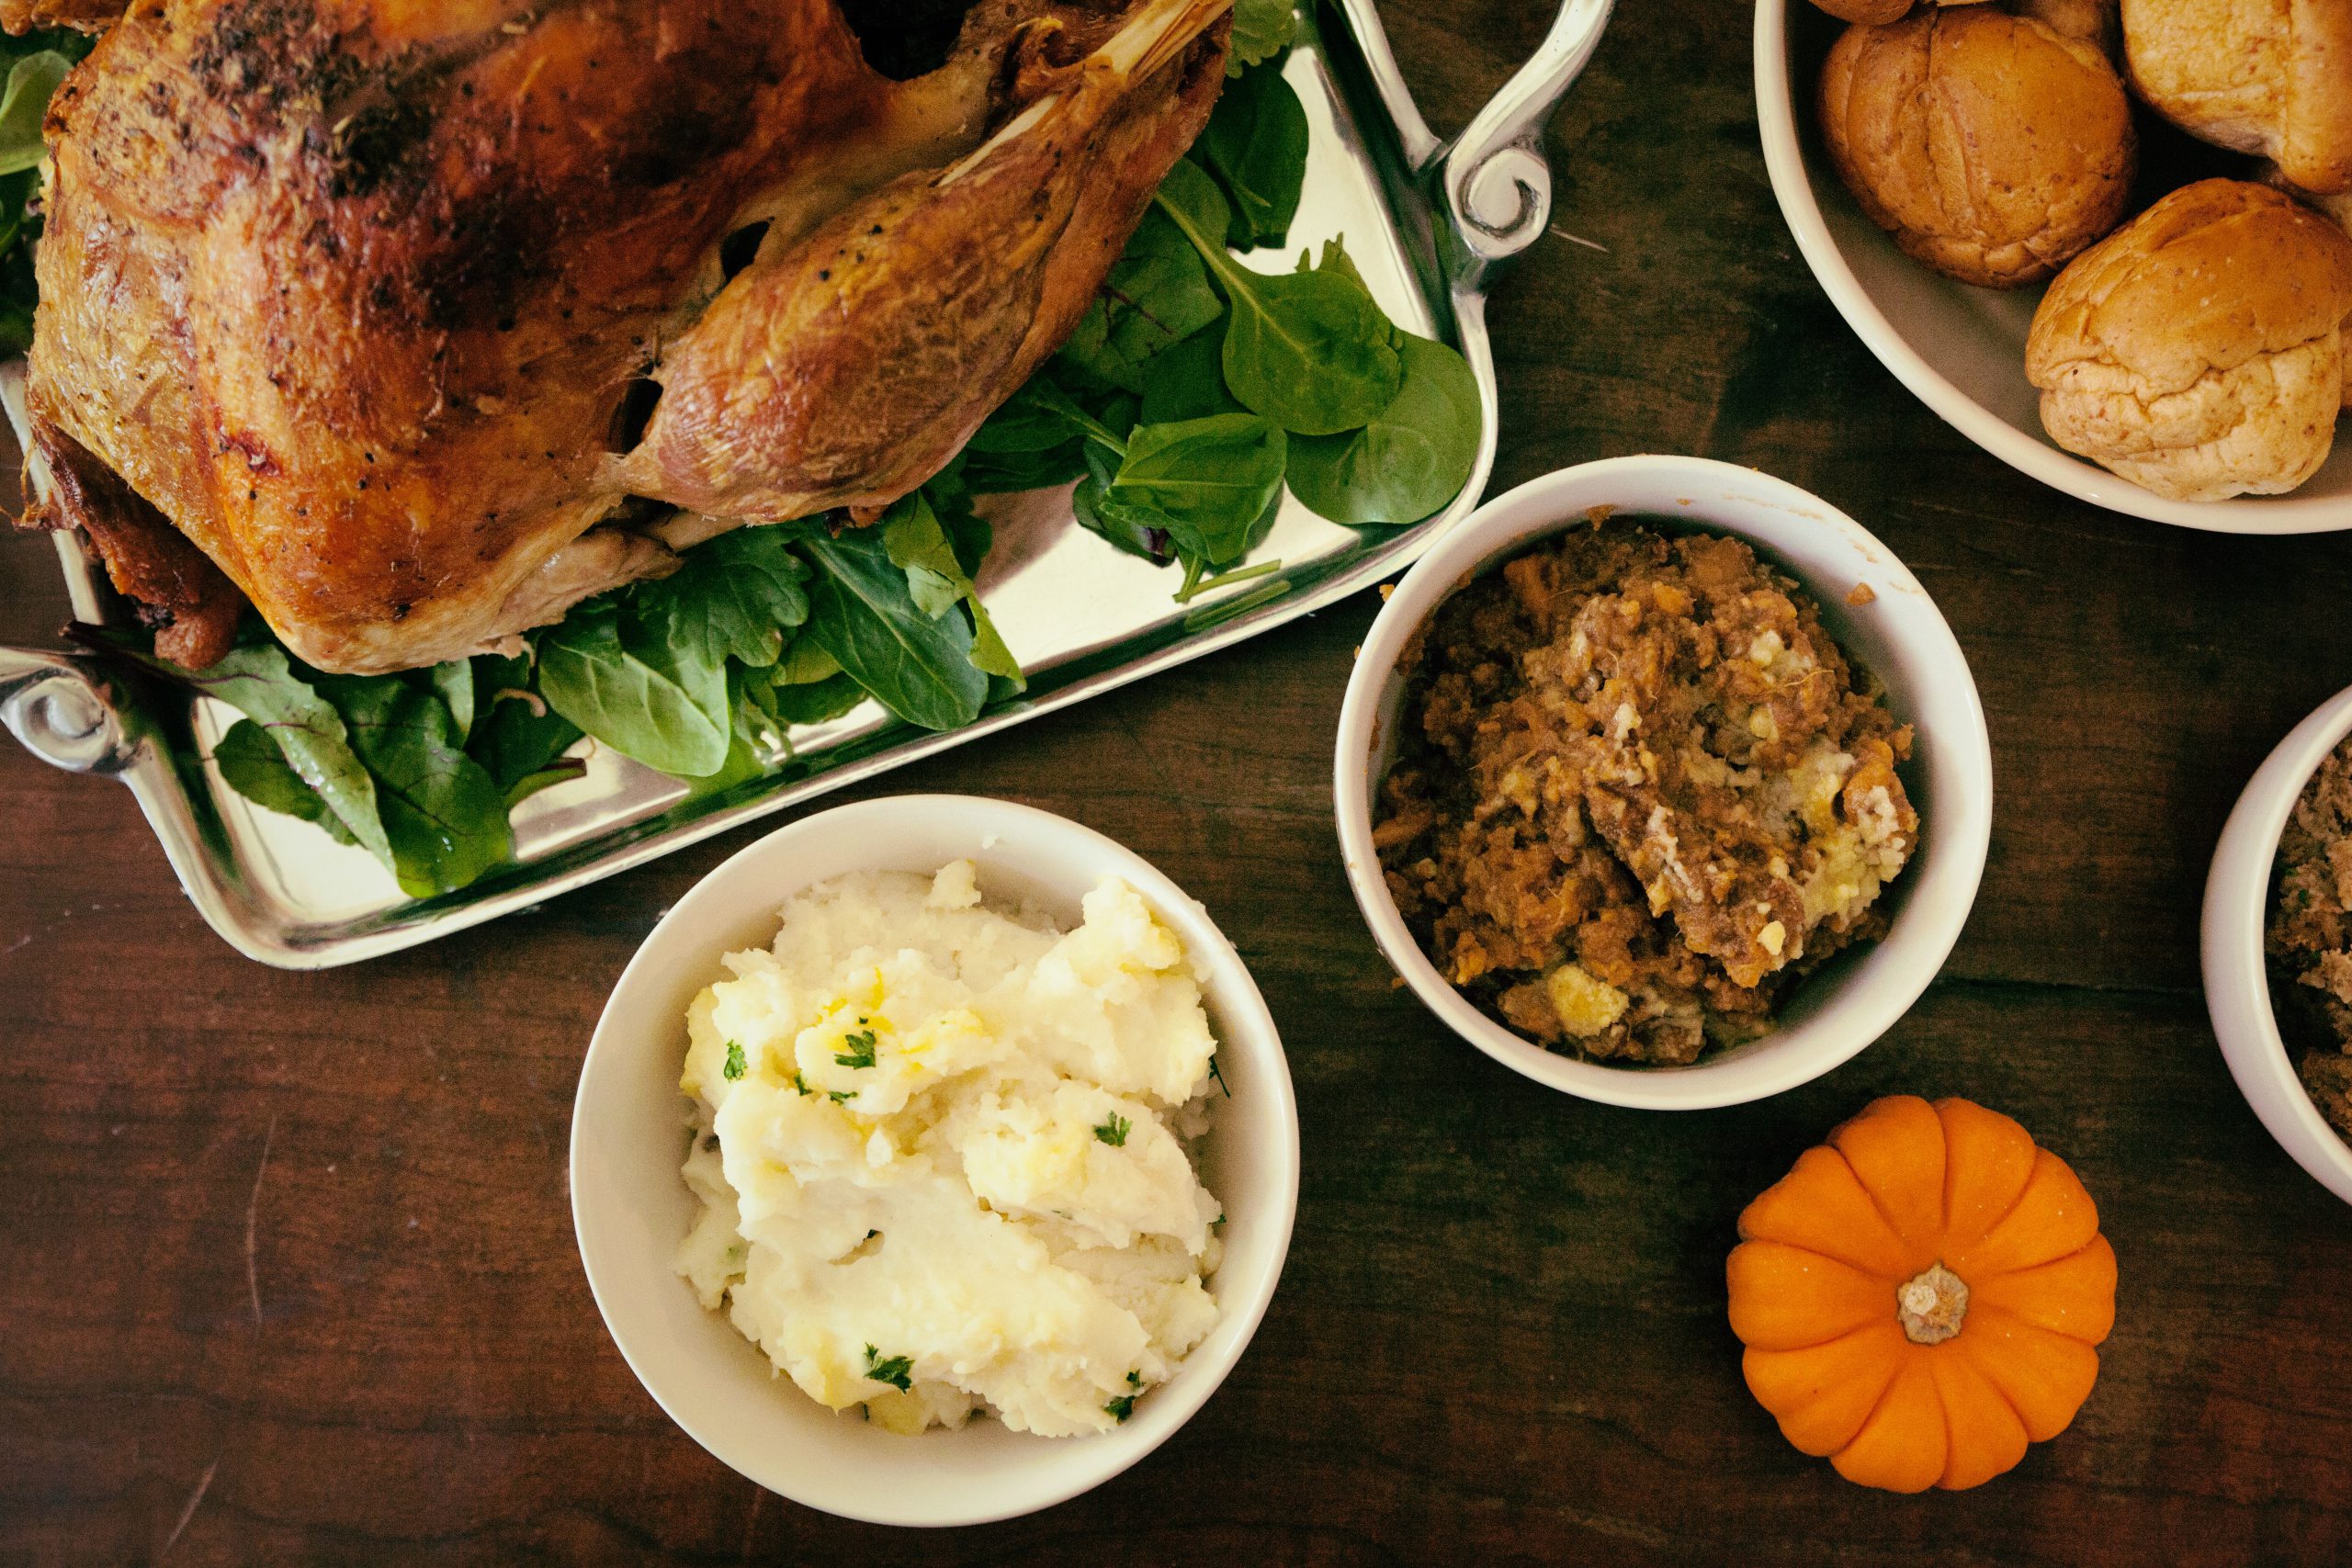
x: 918, y: 666
x: 588, y: 675
x: 1212, y: 479
x: 251, y: 764
x: 917, y: 544
x: 734, y: 596
x: 1155, y: 296
x: 1409, y: 462
x: 445, y: 816
x: 258, y: 682
x: 1256, y: 146
x: 1308, y: 350
x: 1261, y: 29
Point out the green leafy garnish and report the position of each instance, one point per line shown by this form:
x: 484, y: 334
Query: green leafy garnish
x: 1157, y: 294
x: 1208, y: 482
x: 1113, y: 1132
x: 896, y: 1370
x: 445, y: 818
x: 1256, y: 147
x: 735, y: 1066
x: 1123, y: 1405
x: 839, y: 1096
x: 864, y: 614
x: 1411, y: 459
x: 1309, y: 350
x: 1261, y: 29
x: 674, y: 718
x: 861, y: 1050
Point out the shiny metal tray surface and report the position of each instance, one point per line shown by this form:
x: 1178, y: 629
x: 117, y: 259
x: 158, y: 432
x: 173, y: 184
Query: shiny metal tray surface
x: 1425, y: 220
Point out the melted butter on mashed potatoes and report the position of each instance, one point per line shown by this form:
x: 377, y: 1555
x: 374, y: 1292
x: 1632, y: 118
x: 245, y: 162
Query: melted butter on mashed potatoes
x: 941, y: 1153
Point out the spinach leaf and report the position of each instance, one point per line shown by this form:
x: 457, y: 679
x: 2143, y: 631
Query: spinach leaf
x: 23, y: 103
x: 814, y: 702
x: 918, y: 546
x: 803, y: 664
x: 734, y: 596
x: 1136, y: 531
x: 1256, y: 146
x: 1308, y: 350
x: 1211, y: 479
x: 258, y: 682
x: 1155, y: 296
x: 446, y: 818
x: 520, y: 741
x: 674, y: 723
x: 251, y: 763
x: 1188, y: 381
x: 1409, y: 462
x: 918, y: 666
x: 1261, y: 29
x: 454, y: 681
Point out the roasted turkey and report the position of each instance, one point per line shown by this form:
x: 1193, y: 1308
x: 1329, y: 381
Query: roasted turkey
x: 413, y: 323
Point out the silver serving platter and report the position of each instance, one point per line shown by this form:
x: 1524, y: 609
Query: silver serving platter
x: 1425, y: 219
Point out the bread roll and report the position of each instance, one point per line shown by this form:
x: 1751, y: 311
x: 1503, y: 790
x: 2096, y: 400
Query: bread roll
x: 1992, y: 148
x: 2200, y: 350
x: 2093, y: 21
x: 2268, y: 77
x: 1876, y: 13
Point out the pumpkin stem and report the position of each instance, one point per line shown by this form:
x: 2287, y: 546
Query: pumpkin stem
x: 1931, y: 1306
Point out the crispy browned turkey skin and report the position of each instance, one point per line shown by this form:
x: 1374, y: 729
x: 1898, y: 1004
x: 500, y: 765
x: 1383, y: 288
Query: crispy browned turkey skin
x: 368, y: 299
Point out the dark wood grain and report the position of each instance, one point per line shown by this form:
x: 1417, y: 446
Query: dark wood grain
x: 286, y: 1261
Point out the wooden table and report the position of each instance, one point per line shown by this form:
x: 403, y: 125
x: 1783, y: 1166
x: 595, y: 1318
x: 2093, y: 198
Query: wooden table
x: 286, y: 1261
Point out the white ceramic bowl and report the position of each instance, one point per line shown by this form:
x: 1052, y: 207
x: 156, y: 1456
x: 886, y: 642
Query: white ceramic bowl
x: 1900, y: 637
x: 631, y: 1206
x: 1960, y: 349
x: 2237, y: 990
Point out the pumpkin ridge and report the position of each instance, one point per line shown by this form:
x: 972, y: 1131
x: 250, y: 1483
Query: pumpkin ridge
x: 1998, y: 1219
x: 2006, y: 1316
x: 1894, y: 1376
x: 1878, y: 1208
x: 1993, y: 1383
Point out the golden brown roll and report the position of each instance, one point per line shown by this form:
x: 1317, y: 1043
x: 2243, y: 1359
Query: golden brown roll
x: 2268, y: 77
x: 2093, y: 21
x: 2200, y: 350
x: 1991, y: 147
x: 1876, y: 13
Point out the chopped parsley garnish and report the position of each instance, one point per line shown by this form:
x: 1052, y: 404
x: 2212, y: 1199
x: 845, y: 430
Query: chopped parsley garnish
x: 800, y: 1083
x: 736, y: 1066
x: 1123, y: 1406
x: 897, y: 1371
x: 861, y: 1049
x: 1218, y: 1073
x: 838, y: 1095
x: 1115, y: 1130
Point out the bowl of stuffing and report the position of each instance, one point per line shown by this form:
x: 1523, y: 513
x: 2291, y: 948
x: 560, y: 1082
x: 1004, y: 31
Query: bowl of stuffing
x: 934, y: 1160
x: 1663, y: 782
x: 2277, y: 943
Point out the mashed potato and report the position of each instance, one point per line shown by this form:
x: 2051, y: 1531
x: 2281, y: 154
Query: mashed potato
x: 942, y: 1154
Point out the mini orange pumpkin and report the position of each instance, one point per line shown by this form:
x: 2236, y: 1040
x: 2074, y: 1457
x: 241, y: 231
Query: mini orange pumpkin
x: 1919, y: 1298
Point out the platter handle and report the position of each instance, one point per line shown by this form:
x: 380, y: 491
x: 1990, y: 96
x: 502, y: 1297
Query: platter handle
x: 1493, y: 180
x: 58, y: 706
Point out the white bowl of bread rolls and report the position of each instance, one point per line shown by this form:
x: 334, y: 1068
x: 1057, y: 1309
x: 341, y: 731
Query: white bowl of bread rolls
x: 2108, y: 240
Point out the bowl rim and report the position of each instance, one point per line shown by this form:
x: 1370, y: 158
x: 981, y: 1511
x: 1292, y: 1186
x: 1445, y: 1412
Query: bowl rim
x: 1964, y: 819
x: 1800, y: 206
x: 2230, y: 939
x: 1248, y: 1027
